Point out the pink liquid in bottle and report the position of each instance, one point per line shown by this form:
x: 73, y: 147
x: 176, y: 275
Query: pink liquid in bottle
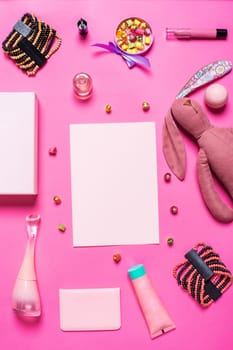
x: 25, y: 298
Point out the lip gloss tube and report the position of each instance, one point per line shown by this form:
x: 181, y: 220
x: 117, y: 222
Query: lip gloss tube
x: 198, y: 33
x: 155, y: 314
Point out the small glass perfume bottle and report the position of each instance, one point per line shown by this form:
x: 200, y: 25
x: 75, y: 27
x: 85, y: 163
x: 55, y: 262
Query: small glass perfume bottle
x: 25, y: 298
x: 82, y: 84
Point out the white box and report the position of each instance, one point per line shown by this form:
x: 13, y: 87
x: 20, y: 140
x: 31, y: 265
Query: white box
x: 18, y: 143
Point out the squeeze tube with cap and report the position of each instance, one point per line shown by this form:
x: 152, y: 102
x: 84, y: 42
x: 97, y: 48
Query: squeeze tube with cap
x: 156, y: 316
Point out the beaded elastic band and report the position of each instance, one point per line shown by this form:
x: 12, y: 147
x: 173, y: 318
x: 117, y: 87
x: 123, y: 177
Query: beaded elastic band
x: 31, y: 43
x: 203, y: 275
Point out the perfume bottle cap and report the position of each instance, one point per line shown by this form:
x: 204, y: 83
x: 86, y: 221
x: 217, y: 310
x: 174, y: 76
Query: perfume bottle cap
x: 136, y: 271
x: 82, y: 26
x: 82, y: 84
x: 32, y: 222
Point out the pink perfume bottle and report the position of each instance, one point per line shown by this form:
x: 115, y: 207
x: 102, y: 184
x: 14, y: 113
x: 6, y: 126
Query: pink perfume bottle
x: 82, y: 84
x: 26, y: 299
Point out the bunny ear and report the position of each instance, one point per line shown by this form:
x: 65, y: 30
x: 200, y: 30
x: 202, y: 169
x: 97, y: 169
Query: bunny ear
x: 220, y: 210
x: 173, y: 147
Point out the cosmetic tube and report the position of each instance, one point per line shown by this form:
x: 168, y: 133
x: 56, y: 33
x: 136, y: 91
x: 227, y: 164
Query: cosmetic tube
x: 189, y: 33
x: 156, y: 316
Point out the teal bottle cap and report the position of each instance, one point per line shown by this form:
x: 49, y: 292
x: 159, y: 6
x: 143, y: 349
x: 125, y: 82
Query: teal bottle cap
x: 136, y: 271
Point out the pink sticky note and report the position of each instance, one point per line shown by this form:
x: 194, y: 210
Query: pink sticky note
x: 90, y: 309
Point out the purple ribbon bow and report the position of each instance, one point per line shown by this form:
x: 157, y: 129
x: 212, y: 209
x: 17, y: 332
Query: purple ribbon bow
x: 131, y: 60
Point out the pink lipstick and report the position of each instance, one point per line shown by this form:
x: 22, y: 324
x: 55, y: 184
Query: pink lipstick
x: 198, y: 33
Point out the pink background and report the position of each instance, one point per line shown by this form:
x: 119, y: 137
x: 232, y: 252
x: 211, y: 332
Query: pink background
x: 59, y: 265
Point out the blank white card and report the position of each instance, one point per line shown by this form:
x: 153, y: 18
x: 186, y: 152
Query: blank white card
x: 114, y: 184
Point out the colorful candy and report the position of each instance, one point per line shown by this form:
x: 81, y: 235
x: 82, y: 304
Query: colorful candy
x: 139, y: 31
x: 129, y: 22
x: 131, y: 45
x: 134, y: 36
x: 124, y: 47
x: 147, y: 40
x: 123, y: 35
x: 132, y: 51
x: 143, y: 25
x: 147, y: 32
x: 140, y: 46
x: 137, y: 22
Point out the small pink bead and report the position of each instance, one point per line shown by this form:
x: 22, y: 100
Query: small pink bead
x: 53, y: 151
x: 174, y: 210
x: 167, y: 177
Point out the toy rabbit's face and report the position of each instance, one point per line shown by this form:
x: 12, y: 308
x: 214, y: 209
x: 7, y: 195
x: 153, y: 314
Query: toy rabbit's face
x: 189, y: 115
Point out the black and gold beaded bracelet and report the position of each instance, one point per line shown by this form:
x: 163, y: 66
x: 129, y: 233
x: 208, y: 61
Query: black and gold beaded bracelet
x: 31, y: 43
x: 203, y: 274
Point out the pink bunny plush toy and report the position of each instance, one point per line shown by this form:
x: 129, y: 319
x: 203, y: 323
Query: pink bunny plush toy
x: 215, y: 156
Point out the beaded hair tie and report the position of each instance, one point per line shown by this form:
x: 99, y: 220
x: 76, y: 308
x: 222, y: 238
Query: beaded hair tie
x: 203, y: 275
x: 30, y: 44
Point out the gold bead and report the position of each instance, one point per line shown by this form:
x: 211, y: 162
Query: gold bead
x: 145, y: 106
x: 170, y: 241
x: 57, y: 200
x: 61, y: 227
x: 117, y: 258
x: 108, y: 108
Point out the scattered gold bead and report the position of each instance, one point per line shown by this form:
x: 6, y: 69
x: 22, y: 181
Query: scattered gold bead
x: 117, y: 258
x: 108, y: 108
x: 57, y: 200
x: 61, y: 228
x: 145, y: 106
x: 170, y: 241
